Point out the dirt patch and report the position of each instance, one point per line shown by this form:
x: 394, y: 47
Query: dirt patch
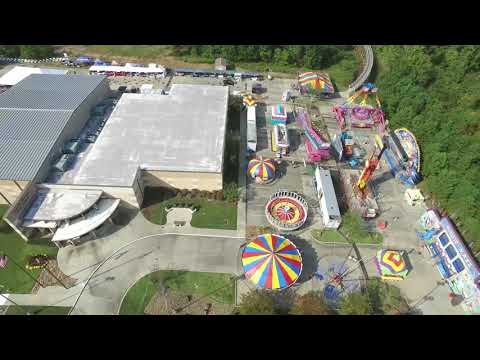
x: 174, y: 303
x: 47, y: 279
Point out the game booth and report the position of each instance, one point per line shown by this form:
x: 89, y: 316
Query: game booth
x: 453, y: 258
x: 311, y: 83
x: 362, y: 110
x: 316, y: 147
x: 271, y: 262
x: 279, y: 115
x: 280, y: 140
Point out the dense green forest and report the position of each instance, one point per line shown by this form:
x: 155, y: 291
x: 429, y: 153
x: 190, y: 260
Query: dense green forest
x: 309, y: 56
x: 435, y: 92
x: 27, y: 51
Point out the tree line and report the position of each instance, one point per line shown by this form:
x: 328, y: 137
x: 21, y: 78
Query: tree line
x: 308, y: 56
x: 27, y: 51
x: 434, y: 91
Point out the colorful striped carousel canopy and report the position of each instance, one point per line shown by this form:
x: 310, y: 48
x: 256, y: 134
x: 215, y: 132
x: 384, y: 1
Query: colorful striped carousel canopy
x: 261, y: 168
x: 272, y: 262
x: 391, y: 265
x: 310, y: 81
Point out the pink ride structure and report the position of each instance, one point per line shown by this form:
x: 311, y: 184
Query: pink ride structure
x: 317, y: 148
x: 360, y: 115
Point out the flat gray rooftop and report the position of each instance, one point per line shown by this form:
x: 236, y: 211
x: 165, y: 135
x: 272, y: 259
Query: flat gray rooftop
x: 182, y: 131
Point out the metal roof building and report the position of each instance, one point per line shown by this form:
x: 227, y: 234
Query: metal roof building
x: 40, y: 112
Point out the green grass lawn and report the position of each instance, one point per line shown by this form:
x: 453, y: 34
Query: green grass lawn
x: 38, y: 310
x: 139, y: 51
x: 212, y: 214
x: 327, y: 236
x: 12, y: 279
x: 352, y: 227
x: 195, y: 284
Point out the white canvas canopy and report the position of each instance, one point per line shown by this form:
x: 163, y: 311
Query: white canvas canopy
x: 18, y: 73
x: 128, y: 69
x: 90, y: 221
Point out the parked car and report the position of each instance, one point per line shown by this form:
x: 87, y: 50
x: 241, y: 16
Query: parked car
x: 228, y: 82
x: 257, y: 88
x: 122, y: 89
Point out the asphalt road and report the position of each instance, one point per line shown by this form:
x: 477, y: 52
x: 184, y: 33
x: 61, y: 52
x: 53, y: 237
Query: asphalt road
x: 110, y: 282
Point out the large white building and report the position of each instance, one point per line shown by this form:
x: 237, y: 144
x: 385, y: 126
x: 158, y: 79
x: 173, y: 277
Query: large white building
x: 175, y: 140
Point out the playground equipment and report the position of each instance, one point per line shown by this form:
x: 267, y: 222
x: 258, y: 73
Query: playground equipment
x: 370, y: 166
x: 362, y: 114
x: 272, y: 262
x: 262, y: 170
x: 317, y: 148
x: 286, y: 210
x: 315, y: 83
x: 391, y: 265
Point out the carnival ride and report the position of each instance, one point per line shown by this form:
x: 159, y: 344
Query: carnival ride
x: 317, y: 148
x: 286, y: 210
x: 262, y: 170
x: 280, y: 140
x: 249, y: 100
x: 311, y: 83
x: 391, y: 265
x: 411, y: 176
x: 370, y: 166
x: 362, y: 114
x: 271, y: 262
x: 337, y: 278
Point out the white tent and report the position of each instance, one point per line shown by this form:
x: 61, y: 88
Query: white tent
x: 18, y: 73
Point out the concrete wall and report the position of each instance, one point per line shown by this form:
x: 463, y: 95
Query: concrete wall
x: 183, y: 180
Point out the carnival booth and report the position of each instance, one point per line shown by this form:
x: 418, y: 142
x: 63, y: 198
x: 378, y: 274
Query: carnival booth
x: 280, y: 140
x: 414, y: 197
x: 391, y: 265
x: 315, y: 83
x: 262, y: 170
x: 271, y: 262
x: 279, y: 115
x: 453, y: 258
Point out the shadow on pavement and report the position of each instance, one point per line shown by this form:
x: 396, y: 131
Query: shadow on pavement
x: 309, y: 258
